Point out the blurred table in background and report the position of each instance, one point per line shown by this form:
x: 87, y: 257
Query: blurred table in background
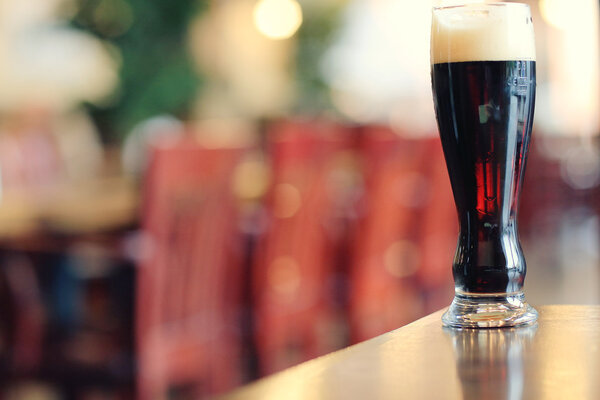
x: 66, y: 282
x: 556, y: 359
x: 98, y: 205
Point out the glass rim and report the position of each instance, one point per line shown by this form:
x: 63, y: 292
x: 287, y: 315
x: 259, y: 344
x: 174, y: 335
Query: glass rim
x: 495, y: 4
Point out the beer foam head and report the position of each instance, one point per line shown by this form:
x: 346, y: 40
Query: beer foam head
x: 482, y: 32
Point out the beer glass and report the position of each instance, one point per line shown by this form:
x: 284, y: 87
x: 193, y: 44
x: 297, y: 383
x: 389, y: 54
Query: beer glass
x: 483, y: 79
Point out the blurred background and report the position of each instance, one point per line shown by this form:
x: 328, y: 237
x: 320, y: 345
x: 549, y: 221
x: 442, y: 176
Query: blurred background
x: 196, y: 194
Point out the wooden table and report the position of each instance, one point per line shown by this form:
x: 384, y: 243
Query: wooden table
x: 559, y: 358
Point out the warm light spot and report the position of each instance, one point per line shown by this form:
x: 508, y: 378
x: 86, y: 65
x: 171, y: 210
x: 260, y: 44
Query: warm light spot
x: 401, y: 259
x: 287, y: 200
x: 250, y: 179
x: 277, y: 19
x: 560, y: 14
x: 581, y: 168
x: 284, y: 275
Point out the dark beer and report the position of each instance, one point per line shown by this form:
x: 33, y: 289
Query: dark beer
x: 485, y: 112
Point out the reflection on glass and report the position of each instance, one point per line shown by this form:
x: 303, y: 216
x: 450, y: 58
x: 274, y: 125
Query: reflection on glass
x: 490, y: 361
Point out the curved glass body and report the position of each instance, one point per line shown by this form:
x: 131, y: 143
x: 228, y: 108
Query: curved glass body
x: 483, y: 79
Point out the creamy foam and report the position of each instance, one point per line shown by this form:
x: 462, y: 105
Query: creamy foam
x: 482, y: 32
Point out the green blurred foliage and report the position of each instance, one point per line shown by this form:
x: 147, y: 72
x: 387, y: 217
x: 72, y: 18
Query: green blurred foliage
x: 320, y: 23
x: 157, y: 74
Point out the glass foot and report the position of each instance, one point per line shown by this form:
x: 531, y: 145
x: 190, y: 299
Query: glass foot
x: 487, y: 311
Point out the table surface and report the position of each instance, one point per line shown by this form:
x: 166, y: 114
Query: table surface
x: 558, y: 358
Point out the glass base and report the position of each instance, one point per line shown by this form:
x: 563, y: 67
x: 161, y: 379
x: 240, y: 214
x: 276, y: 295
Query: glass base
x: 489, y: 311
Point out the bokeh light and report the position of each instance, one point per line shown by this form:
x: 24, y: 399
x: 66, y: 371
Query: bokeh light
x: 277, y: 19
x: 287, y: 200
x: 560, y: 13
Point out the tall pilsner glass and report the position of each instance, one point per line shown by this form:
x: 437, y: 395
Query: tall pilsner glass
x: 483, y: 78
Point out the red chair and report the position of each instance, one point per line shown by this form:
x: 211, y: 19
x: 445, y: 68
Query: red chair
x: 296, y: 258
x: 384, y: 294
x: 189, y: 284
x: 406, y: 236
x: 438, y: 233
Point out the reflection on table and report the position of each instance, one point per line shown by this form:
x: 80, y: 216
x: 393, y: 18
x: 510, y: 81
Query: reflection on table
x: 489, y: 362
